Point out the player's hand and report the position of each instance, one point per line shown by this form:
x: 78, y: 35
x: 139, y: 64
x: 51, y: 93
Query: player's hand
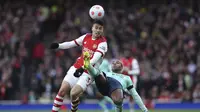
x: 54, y: 46
x: 78, y: 72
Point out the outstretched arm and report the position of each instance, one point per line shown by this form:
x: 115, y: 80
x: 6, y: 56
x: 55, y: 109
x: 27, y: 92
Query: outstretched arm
x: 70, y: 44
x: 136, y: 96
x: 138, y: 99
x: 67, y: 45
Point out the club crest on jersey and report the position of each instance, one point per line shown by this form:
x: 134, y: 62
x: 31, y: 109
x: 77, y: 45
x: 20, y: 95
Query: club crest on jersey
x: 94, y: 46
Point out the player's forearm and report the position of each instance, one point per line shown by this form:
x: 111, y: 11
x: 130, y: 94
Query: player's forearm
x: 134, y: 72
x: 67, y: 45
x: 138, y: 99
x: 95, y: 58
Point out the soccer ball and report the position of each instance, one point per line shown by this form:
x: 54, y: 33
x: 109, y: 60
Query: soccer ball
x: 96, y: 12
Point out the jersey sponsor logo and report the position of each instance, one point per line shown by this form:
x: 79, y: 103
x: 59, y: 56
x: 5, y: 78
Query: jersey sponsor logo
x: 88, y: 50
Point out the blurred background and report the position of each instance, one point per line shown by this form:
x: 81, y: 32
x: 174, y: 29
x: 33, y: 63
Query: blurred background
x: 164, y: 36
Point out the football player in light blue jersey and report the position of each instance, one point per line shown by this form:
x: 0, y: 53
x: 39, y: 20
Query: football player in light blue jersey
x: 114, y: 84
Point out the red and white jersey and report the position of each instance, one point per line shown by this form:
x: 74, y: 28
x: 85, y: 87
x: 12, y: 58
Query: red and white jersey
x: 132, y: 65
x: 90, y: 45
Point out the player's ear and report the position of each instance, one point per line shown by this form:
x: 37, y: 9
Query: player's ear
x: 92, y: 27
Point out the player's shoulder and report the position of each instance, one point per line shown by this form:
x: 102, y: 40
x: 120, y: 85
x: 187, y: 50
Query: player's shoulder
x: 84, y: 35
x: 126, y: 77
x: 103, y: 39
x: 108, y: 73
x: 88, y: 35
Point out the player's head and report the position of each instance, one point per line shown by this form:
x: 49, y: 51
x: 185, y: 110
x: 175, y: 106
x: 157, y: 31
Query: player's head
x: 127, y: 53
x: 97, y: 28
x: 117, y: 66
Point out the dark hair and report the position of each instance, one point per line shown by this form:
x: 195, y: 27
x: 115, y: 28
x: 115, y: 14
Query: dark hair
x: 98, y: 21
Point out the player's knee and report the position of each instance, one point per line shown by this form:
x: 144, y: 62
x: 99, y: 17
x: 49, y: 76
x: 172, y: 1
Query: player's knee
x: 118, y: 100
x: 117, y: 96
x: 72, y: 93
x: 65, y: 87
x: 76, y: 92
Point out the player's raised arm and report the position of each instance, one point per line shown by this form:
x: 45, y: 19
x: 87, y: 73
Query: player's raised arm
x: 135, y: 95
x: 135, y: 68
x: 67, y: 45
x: 100, y: 52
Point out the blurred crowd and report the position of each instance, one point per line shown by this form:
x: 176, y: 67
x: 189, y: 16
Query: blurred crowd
x: 164, y: 38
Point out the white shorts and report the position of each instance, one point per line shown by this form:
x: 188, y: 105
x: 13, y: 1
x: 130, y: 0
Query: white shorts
x: 84, y: 80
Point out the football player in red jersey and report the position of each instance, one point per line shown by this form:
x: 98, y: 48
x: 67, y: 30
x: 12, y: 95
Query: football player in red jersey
x: 131, y: 68
x: 96, y: 45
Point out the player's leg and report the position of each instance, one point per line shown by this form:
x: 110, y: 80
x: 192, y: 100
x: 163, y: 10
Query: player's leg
x: 107, y: 99
x: 60, y: 96
x: 98, y: 76
x: 66, y: 85
x: 101, y: 102
x: 75, y: 94
x: 116, y: 93
x: 84, y: 81
x: 117, y: 97
x: 94, y: 72
x: 79, y: 88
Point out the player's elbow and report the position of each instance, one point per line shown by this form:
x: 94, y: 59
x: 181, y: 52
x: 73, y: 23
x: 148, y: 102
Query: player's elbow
x: 93, y: 61
x: 137, y: 72
x: 134, y: 72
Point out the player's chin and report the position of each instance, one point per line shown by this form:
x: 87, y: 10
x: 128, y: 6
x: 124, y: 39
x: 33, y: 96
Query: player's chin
x: 98, y: 35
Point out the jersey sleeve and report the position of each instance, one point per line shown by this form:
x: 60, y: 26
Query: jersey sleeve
x: 135, y: 68
x: 95, y: 58
x: 138, y: 99
x: 79, y: 40
x: 135, y: 95
x: 129, y: 83
x: 102, y: 48
x: 73, y: 43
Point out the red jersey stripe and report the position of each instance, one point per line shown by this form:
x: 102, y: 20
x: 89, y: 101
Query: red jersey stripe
x: 100, y: 52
